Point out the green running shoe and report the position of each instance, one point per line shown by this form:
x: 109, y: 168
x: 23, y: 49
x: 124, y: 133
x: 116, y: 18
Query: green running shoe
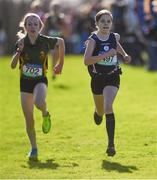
x: 46, y: 126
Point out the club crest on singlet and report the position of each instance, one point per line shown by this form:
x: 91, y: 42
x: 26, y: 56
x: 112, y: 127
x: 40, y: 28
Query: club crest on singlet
x: 106, y: 48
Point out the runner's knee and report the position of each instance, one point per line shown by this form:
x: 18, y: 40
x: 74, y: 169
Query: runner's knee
x: 108, y: 108
x: 40, y: 104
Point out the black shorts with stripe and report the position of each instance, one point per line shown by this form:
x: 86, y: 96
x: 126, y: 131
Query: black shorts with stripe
x: 28, y: 85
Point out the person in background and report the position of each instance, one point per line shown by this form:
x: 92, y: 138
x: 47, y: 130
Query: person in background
x: 101, y: 59
x: 3, y: 39
x: 32, y: 53
x: 125, y: 23
x: 150, y: 31
x: 56, y: 26
x: 36, y: 7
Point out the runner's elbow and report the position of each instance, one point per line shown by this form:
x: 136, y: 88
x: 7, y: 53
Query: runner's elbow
x: 12, y: 67
x: 86, y: 61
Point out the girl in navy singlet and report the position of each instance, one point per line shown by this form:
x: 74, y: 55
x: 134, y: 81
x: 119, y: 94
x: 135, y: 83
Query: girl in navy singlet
x: 101, y: 59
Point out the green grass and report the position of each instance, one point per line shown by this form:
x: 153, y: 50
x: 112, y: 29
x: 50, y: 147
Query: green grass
x: 75, y: 147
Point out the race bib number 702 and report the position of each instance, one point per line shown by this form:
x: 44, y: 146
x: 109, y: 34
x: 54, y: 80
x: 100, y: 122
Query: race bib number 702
x: 32, y: 70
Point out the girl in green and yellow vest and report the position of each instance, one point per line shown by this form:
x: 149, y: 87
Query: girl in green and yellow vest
x: 31, y: 52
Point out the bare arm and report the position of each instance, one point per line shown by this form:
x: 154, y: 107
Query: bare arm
x: 121, y: 51
x: 89, y: 59
x: 16, y: 55
x: 147, y: 10
x: 146, y: 6
x: 14, y: 60
x: 127, y: 58
x: 61, y: 48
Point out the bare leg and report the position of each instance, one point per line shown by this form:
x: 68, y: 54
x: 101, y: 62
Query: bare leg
x: 40, y: 102
x: 109, y: 94
x: 40, y: 97
x: 99, y: 104
x: 99, y: 111
x: 28, y: 107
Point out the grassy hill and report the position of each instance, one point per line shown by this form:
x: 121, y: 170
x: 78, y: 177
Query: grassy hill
x: 75, y: 147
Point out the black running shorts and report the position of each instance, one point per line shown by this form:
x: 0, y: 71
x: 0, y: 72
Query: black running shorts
x: 28, y: 85
x: 99, y: 82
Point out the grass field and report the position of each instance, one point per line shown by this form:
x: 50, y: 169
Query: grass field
x: 75, y: 147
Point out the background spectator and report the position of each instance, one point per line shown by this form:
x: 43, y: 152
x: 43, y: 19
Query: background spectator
x: 150, y: 31
x: 3, y: 39
x: 126, y: 24
x: 134, y: 20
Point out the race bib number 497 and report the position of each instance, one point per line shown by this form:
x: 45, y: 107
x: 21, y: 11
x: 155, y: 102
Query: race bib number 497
x: 110, y: 61
x: 32, y: 70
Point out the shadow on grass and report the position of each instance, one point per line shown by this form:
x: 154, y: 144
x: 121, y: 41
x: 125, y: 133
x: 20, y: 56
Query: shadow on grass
x: 49, y: 164
x: 61, y: 86
x: 113, y: 166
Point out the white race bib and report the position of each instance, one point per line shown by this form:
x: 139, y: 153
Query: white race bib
x: 32, y: 70
x: 110, y: 61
